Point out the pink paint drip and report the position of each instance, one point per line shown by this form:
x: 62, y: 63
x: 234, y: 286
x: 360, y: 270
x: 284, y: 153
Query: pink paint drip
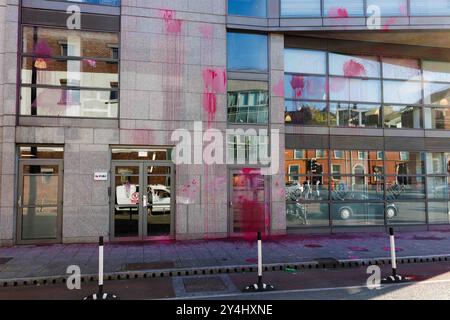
x: 298, y: 85
x: 278, y: 88
x: 389, y: 23
x: 353, y: 68
x: 214, y: 82
x: 173, y: 25
x: 337, y: 12
x: 207, y: 31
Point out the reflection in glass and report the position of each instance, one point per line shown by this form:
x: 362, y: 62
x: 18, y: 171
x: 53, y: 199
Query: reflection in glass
x: 357, y: 188
x: 306, y: 113
x: 126, y: 209
x: 248, y: 102
x: 395, y: 8
x: 437, y: 118
x: 438, y: 212
x: 307, y: 188
x: 345, y: 8
x: 408, y: 213
x: 34, y: 152
x: 295, y: 61
x: 247, y: 51
x: 248, y: 8
x: 354, y: 66
x: 437, y: 188
x: 353, y: 214
x: 403, y: 117
x: 158, y: 206
x: 436, y: 163
x: 437, y: 94
x: 430, y: 8
x: 402, y: 69
x: 307, y: 214
x: 39, y: 223
x: 405, y: 187
x: 345, y: 89
x: 305, y: 87
x: 355, y: 115
x: 436, y: 71
x: 304, y: 8
x: 403, y: 92
x: 404, y: 163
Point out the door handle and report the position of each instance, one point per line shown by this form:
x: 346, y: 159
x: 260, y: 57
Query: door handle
x: 231, y: 203
x: 19, y: 201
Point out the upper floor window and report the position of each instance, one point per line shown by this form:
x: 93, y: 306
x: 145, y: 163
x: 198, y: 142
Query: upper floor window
x: 430, y: 8
x: 247, y: 52
x: 113, y: 3
x: 248, y: 8
x: 305, y: 8
x: 68, y: 73
x: 248, y: 102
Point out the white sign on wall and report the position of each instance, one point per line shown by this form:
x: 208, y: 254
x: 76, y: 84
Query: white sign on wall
x: 101, y: 176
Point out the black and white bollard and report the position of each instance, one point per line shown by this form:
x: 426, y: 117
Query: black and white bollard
x: 100, y: 295
x: 395, y: 277
x: 260, y: 286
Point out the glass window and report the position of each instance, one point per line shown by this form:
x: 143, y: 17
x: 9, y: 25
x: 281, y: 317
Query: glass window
x: 430, y: 8
x: 309, y: 163
x: 304, y: 61
x: 307, y: 188
x: 343, y: 9
x: 354, y: 66
x: 246, y: 148
x: 404, y: 163
x: 307, y: 214
x: 438, y: 212
x: 247, y: 51
x: 355, y: 115
x: 249, y: 8
x: 437, y: 118
x: 437, y: 93
x: 436, y: 163
x: 437, y: 188
x: 403, y: 92
x: 357, y: 214
x: 306, y: 113
x: 402, y: 69
x: 41, y: 152
x: 305, y: 87
x: 403, y: 117
x: 345, y: 89
x: 69, y: 73
x: 304, y: 8
x: 115, y: 3
x: 394, y: 8
x: 405, y: 187
x: 248, y: 102
x: 406, y: 212
x: 436, y: 71
x: 299, y: 154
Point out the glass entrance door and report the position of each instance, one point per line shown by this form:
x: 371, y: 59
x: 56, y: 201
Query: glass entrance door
x: 142, y: 200
x: 249, y: 202
x: 39, y: 201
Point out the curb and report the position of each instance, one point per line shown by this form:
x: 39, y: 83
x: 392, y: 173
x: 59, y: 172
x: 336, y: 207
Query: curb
x: 179, y: 272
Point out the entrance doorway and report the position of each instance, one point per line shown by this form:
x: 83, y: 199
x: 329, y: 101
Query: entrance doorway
x: 39, y: 195
x: 249, y: 202
x: 142, y: 203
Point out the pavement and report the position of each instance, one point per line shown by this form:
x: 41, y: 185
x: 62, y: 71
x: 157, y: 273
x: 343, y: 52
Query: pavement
x: 34, y: 262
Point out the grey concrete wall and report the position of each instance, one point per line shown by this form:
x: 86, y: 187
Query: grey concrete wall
x: 8, y: 68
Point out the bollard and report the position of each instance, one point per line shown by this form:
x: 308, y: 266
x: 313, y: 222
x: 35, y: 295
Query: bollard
x: 395, y: 277
x: 100, y: 295
x: 260, y: 285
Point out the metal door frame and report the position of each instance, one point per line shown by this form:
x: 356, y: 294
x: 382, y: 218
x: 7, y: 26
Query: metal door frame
x: 267, y: 202
x: 142, y: 228
x: 18, y: 205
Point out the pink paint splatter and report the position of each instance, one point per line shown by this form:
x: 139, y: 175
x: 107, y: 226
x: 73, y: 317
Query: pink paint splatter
x: 92, y: 63
x: 337, y: 12
x: 207, y: 31
x: 389, y: 23
x: 278, y: 88
x: 172, y: 24
x: 42, y: 49
x: 298, y: 85
x: 214, y: 82
x: 404, y: 9
x: 353, y: 68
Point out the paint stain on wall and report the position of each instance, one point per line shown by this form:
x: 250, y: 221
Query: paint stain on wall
x: 172, y: 25
x: 214, y: 82
x: 278, y: 88
x: 353, y: 68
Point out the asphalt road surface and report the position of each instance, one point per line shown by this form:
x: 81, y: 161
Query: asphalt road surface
x: 427, y: 281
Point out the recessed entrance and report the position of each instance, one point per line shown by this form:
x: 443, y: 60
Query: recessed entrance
x: 142, y: 204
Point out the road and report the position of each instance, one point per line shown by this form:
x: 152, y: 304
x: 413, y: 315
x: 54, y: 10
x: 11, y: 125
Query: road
x: 428, y: 281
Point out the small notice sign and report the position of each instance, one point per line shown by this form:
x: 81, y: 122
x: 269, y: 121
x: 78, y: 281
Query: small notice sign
x: 101, y: 176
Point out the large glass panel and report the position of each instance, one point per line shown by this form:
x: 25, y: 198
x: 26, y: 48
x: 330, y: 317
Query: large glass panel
x: 394, y: 8
x: 355, y: 115
x: 79, y: 73
x: 248, y: 102
x: 437, y: 163
x: 437, y: 93
x: 357, y: 188
x: 68, y: 102
x: 437, y: 118
x: 436, y: 71
x: 402, y: 69
x: 343, y: 9
x: 403, y: 92
x: 438, y: 212
x: 309, y: 161
x: 403, y: 117
x: 307, y: 215
x: 304, y: 8
x: 247, y: 51
x: 247, y: 149
x: 305, y: 61
x: 437, y: 188
x: 354, y: 66
x: 404, y: 163
x: 41, y: 190
x: 142, y: 154
x: 115, y: 3
x: 39, y: 223
x: 345, y: 89
x: 305, y: 87
x: 354, y: 214
x: 249, y: 8
x: 34, y: 152
x: 405, y: 187
x: 307, y: 188
x: 48, y: 42
x: 306, y: 113
x: 158, y: 204
x: 126, y: 209
x: 406, y: 213
x: 430, y: 8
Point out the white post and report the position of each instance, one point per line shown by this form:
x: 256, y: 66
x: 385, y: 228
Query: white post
x: 100, y: 266
x: 393, y: 252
